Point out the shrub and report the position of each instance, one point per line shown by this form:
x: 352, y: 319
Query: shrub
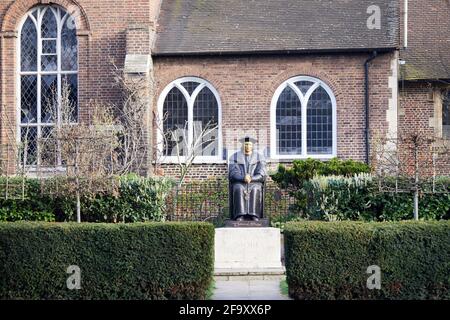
x: 137, y: 199
x: 117, y: 261
x: 329, y: 260
x: 303, y: 170
x: 294, y: 178
x: 338, y: 198
x: 358, y: 198
x: 21, y: 199
x: 400, y: 206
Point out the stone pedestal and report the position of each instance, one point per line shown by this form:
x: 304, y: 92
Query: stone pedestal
x: 247, y: 249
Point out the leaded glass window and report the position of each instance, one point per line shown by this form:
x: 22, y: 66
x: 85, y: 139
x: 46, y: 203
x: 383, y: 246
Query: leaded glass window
x: 303, y: 120
x: 446, y: 116
x: 48, y: 66
x: 190, y: 113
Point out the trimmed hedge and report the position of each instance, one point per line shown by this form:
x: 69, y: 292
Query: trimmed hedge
x: 329, y: 260
x: 117, y: 261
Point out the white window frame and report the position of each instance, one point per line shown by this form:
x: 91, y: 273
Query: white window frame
x: 190, y: 99
x: 60, y: 20
x: 304, y: 103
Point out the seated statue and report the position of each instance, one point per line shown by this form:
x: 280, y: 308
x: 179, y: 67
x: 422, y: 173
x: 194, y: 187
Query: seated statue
x: 247, y: 174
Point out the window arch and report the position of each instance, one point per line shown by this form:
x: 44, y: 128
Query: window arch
x: 190, y: 112
x: 303, y: 120
x: 48, y: 73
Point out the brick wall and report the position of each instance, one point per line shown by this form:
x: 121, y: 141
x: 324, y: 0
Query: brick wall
x: 246, y: 86
x: 421, y: 113
x: 102, y: 27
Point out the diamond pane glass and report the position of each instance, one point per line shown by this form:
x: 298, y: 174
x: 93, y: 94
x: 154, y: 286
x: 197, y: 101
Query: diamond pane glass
x: 48, y: 147
x: 69, y: 95
x: 51, y: 91
x: 320, y: 123
x: 289, y: 123
x: 28, y: 99
x: 175, y: 113
x: 190, y: 86
x: 446, y: 117
x: 49, y: 25
x: 206, y: 118
x: 49, y: 63
x: 28, y: 154
x: 69, y: 46
x: 304, y: 86
x: 49, y: 46
x: 49, y: 98
x: 28, y: 46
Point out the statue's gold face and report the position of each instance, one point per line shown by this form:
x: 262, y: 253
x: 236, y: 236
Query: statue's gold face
x: 248, y: 148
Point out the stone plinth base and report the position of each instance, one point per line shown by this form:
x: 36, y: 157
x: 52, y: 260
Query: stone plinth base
x: 247, y: 249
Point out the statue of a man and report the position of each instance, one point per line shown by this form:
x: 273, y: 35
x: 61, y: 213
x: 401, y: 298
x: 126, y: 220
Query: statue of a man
x: 247, y: 173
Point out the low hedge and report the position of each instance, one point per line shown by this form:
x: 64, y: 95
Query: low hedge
x: 117, y: 261
x: 137, y: 199
x: 329, y: 260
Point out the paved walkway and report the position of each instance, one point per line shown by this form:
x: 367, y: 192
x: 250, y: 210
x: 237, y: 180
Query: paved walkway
x: 245, y: 288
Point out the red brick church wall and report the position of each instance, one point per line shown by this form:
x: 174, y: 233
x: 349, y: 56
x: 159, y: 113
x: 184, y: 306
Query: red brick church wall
x: 246, y: 85
x: 102, y: 28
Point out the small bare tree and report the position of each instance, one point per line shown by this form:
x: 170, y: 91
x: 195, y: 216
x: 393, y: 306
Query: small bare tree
x: 131, y: 115
x: 186, y: 152
x: 410, y: 163
x: 80, y: 153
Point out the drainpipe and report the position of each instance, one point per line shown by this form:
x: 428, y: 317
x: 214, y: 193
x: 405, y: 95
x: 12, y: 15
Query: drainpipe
x: 367, y: 103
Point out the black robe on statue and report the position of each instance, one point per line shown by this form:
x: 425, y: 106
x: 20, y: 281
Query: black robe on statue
x: 247, y: 198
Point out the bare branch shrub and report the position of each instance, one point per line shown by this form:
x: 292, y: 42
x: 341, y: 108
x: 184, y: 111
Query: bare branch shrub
x: 411, y: 163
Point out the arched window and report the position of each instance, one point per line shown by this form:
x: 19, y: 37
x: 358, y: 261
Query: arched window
x: 190, y: 113
x: 446, y: 116
x: 48, y: 74
x: 303, y: 120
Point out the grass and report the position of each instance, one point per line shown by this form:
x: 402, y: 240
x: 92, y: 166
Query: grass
x: 210, y: 292
x: 284, y: 288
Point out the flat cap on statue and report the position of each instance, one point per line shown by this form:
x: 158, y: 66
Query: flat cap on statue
x: 248, y: 139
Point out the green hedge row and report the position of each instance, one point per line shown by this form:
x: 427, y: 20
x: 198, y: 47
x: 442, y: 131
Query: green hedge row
x: 117, y: 261
x: 136, y: 199
x: 329, y: 260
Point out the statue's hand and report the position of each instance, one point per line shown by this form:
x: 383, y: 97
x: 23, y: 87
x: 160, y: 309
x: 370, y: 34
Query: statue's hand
x: 248, y: 179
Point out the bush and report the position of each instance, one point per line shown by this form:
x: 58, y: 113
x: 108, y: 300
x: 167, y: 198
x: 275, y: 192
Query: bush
x: 338, y: 198
x: 137, y: 199
x: 303, y: 170
x: 22, y: 200
x: 400, y: 206
x: 117, y: 261
x: 358, y: 198
x: 294, y: 178
x: 329, y: 260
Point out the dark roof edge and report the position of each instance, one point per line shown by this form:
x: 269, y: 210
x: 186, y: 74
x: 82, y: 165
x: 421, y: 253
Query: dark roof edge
x: 271, y: 52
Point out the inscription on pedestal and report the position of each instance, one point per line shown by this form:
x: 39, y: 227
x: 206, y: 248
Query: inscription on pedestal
x: 263, y: 223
